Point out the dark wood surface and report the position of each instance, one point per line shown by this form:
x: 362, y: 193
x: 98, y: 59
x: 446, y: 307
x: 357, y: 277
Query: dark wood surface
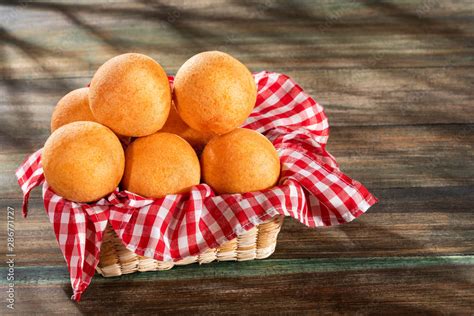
x: 396, y: 80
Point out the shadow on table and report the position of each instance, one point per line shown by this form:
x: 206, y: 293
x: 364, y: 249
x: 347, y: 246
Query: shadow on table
x: 187, y: 22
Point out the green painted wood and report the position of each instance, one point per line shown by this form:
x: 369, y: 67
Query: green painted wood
x: 406, y: 290
x: 45, y: 275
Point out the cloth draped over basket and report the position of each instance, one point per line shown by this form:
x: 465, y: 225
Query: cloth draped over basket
x: 311, y: 189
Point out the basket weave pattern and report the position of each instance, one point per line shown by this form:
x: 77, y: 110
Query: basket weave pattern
x: 256, y: 243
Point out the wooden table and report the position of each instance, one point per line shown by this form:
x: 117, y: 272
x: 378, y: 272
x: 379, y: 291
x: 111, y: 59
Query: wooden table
x: 396, y: 79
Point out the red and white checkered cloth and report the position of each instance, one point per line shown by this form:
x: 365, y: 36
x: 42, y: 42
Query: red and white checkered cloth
x: 311, y: 190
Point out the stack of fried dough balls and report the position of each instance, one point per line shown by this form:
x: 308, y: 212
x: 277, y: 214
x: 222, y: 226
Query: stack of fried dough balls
x: 129, y: 98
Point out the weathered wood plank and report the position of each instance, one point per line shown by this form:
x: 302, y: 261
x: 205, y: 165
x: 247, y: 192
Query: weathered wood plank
x: 378, y: 156
x: 351, y: 96
x: 271, y: 35
x: 406, y: 222
x: 416, y: 221
x: 45, y: 274
x: 406, y: 156
x: 410, y: 285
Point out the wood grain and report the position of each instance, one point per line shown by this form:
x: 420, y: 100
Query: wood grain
x: 304, y: 33
x: 349, y: 95
x: 396, y: 81
x: 378, y: 156
x: 406, y: 222
x: 404, y: 285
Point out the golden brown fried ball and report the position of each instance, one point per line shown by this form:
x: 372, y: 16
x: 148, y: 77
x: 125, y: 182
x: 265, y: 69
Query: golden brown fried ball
x: 160, y: 164
x: 176, y: 125
x: 240, y: 161
x: 214, y: 92
x: 73, y: 107
x: 83, y: 161
x: 131, y: 95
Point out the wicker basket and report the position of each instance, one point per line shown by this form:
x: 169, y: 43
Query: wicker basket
x: 257, y: 243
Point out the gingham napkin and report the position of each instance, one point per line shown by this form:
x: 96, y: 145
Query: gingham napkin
x: 311, y: 190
